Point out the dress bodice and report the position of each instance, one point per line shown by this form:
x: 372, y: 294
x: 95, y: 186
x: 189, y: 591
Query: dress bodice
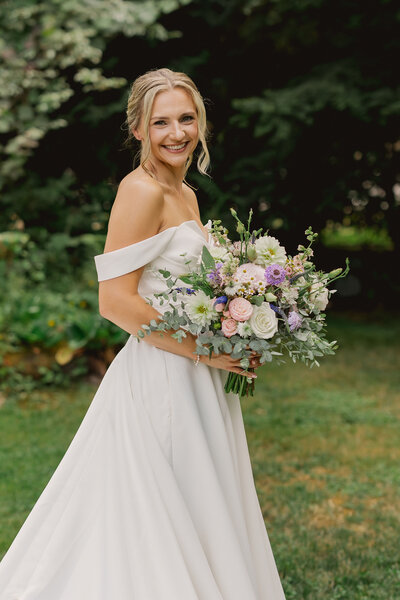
x: 176, y: 249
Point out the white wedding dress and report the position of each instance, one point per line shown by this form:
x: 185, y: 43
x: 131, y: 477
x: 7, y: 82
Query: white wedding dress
x: 154, y: 498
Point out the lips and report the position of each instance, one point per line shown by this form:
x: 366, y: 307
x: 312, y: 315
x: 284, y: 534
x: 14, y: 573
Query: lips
x: 176, y: 148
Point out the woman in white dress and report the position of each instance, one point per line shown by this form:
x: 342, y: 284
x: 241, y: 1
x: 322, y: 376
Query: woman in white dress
x: 154, y: 498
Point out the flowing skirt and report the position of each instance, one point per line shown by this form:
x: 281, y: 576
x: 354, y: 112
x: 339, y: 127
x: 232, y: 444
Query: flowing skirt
x: 154, y: 498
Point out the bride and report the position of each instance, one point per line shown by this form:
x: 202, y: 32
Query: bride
x: 154, y: 498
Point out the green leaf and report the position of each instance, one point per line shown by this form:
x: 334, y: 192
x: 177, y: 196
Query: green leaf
x: 257, y: 300
x: 207, y: 259
x: 186, y: 278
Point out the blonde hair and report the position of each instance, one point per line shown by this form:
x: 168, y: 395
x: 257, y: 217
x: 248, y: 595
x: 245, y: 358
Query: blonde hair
x: 140, y: 102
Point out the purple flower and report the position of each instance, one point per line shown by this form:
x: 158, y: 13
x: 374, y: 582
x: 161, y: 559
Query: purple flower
x: 179, y: 289
x: 214, y: 275
x: 221, y: 300
x: 274, y: 274
x: 294, y: 320
x: 275, y: 308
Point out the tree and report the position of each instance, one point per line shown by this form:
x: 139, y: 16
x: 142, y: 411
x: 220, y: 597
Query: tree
x: 306, y: 109
x: 51, y: 52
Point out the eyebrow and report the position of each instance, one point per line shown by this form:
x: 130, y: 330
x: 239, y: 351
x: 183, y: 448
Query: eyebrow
x: 190, y: 112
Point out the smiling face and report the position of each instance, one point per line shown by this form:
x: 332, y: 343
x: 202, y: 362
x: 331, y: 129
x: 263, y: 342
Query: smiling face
x: 173, y: 127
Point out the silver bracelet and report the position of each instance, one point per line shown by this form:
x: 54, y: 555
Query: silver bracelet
x: 196, y: 362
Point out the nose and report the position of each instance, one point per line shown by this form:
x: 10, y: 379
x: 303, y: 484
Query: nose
x: 177, y: 132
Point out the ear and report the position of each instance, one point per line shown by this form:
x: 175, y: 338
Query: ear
x: 136, y: 134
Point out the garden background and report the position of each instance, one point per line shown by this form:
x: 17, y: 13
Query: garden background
x: 303, y: 102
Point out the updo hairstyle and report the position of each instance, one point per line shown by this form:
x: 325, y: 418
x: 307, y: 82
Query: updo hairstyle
x: 140, y: 103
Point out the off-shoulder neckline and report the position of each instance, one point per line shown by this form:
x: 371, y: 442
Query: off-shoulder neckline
x: 159, y: 234
x: 180, y: 224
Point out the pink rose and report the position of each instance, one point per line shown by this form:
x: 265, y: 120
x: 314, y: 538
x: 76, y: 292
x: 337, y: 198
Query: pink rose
x: 220, y: 307
x: 228, y: 327
x: 226, y: 313
x: 240, y: 309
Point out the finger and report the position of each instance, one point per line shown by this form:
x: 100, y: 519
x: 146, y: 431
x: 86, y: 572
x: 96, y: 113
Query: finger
x: 254, y: 362
x: 243, y: 372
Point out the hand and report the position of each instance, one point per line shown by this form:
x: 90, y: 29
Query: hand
x: 226, y: 362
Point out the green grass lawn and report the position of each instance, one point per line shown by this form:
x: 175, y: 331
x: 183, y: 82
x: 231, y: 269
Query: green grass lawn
x: 325, y: 448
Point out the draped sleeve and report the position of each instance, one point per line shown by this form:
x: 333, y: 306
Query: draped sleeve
x: 129, y: 258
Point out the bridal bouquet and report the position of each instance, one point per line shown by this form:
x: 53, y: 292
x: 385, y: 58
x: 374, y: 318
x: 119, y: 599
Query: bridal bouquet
x: 249, y: 295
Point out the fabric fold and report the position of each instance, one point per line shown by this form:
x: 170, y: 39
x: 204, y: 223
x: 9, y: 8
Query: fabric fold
x: 154, y: 499
x: 129, y: 258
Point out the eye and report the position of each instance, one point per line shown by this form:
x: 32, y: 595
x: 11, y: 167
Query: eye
x: 162, y: 121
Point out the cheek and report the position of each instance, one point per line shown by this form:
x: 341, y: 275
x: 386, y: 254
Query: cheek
x: 155, y: 137
x: 193, y: 131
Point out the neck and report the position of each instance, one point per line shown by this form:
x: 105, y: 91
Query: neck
x: 170, y: 176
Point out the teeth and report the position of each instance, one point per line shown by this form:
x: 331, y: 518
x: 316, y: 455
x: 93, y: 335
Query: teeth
x: 177, y: 147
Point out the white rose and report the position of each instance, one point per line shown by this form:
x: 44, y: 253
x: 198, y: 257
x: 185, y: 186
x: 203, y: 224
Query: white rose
x: 319, y: 296
x: 269, y: 251
x: 263, y: 321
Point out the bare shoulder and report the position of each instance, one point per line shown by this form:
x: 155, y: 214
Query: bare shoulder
x: 139, y: 192
x: 136, y: 213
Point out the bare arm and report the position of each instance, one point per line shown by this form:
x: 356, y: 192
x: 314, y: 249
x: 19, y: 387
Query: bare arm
x: 136, y: 215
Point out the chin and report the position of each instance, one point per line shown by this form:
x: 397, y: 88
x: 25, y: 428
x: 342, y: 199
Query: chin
x: 175, y: 160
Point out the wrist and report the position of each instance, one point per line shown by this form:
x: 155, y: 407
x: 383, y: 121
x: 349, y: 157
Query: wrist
x: 203, y: 358
x: 199, y: 358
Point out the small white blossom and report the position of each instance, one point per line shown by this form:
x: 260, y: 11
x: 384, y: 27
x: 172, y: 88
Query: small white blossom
x: 319, y: 296
x: 230, y: 290
x: 290, y: 294
x: 244, y: 329
x: 269, y: 251
x: 219, y: 253
x: 200, y: 308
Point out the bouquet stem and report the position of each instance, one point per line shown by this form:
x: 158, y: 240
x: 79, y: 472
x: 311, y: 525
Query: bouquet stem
x: 238, y: 384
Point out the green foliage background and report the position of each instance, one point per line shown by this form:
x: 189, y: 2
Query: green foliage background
x: 303, y: 103
x: 304, y: 107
